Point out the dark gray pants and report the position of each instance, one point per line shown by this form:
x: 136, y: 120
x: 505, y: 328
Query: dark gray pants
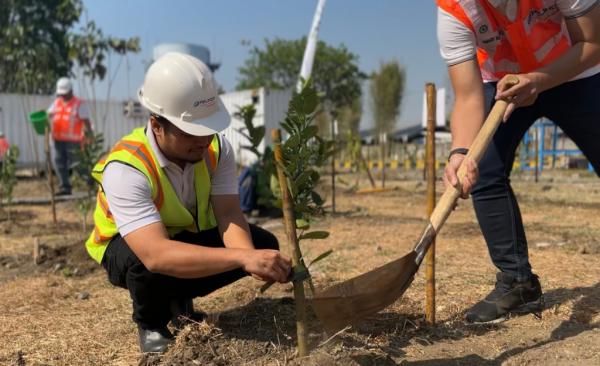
x: 152, y: 293
x: 64, y: 159
x: 575, y: 108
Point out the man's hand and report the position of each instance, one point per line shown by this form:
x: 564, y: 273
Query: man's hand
x: 522, y: 94
x: 268, y: 265
x: 451, y: 179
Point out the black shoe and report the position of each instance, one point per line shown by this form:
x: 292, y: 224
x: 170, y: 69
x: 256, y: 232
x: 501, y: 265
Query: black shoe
x: 183, y: 313
x: 154, y: 340
x: 509, y: 296
x: 63, y: 192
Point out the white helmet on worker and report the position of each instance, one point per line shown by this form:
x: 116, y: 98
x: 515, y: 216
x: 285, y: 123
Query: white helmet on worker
x: 63, y: 86
x: 181, y: 88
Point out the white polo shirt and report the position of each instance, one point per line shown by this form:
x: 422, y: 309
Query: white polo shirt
x: 458, y: 44
x: 130, y: 198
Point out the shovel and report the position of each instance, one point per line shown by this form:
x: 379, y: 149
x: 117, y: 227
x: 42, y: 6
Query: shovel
x: 354, y: 299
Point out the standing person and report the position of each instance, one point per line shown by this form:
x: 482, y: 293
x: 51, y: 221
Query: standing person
x: 553, y: 46
x: 168, y: 223
x: 70, y: 118
x: 4, y: 146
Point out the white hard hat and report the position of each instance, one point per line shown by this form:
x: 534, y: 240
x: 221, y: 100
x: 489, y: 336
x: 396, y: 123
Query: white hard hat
x: 63, y: 86
x: 181, y: 89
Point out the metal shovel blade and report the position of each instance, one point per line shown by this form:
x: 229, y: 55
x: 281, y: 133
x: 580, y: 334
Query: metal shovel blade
x: 364, y: 295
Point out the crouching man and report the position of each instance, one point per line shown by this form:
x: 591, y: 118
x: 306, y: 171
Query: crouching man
x: 168, y: 223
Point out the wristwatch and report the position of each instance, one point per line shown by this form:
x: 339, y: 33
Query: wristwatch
x: 458, y: 150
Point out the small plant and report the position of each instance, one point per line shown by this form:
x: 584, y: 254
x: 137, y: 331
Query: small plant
x: 8, y: 178
x: 87, y: 157
x: 298, y: 159
x: 263, y: 170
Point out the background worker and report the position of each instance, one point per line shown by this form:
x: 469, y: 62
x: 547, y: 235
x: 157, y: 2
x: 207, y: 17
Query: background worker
x: 70, y: 118
x: 168, y: 223
x: 554, y: 48
x: 4, y: 146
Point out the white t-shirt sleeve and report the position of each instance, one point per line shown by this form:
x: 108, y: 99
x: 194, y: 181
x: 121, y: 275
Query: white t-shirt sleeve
x: 129, y: 197
x: 457, y: 41
x: 224, y: 180
x: 575, y: 8
x: 50, y: 109
x: 83, y: 111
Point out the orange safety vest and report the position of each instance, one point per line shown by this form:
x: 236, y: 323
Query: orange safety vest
x: 66, y: 124
x: 536, y: 37
x: 4, y: 146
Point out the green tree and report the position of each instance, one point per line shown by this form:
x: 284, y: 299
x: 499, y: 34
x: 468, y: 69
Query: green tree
x: 335, y: 71
x: 87, y: 157
x: 349, y: 118
x: 8, y: 178
x: 387, y: 91
x: 35, y: 48
x: 38, y: 46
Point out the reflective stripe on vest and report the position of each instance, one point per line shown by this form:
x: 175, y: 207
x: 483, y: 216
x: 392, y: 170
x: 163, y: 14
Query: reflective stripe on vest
x: 536, y: 37
x: 135, y: 151
x: 66, y: 124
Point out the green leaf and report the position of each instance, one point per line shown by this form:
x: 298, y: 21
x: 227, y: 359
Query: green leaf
x: 258, y: 135
x: 302, y: 224
x: 321, y: 257
x: 316, y: 198
x: 315, y: 235
x: 310, y: 132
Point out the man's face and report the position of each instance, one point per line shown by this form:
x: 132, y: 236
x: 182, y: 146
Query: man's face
x: 179, y: 146
x: 67, y: 96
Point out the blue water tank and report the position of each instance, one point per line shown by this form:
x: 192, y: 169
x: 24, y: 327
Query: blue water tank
x: 195, y: 50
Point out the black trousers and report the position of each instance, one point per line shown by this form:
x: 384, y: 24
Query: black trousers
x: 152, y: 293
x: 575, y: 108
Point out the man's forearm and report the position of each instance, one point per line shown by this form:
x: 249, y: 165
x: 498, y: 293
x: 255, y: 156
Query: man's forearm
x: 576, y: 60
x: 467, y: 118
x: 584, y: 32
x: 184, y: 260
x: 235, y: 232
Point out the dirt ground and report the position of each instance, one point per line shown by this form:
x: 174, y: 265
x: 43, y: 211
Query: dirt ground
x: 63, y: 311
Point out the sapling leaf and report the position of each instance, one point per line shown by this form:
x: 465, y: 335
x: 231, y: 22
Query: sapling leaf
x: 321, y: 257
x: 315, y: 235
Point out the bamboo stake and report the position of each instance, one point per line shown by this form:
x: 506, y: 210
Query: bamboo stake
x: 430, y: 160
x: 49, y: 171
x: 333, y: 128
x: 366, y: 166
x: 290, y: 230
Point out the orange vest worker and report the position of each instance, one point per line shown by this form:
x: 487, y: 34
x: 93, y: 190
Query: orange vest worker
x: 66, y: 123
x: 534, y: 39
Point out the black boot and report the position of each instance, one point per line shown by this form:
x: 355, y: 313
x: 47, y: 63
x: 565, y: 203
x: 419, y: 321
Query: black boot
x: 183, y: 313
x: 509, y: 296
x: 154, y: 340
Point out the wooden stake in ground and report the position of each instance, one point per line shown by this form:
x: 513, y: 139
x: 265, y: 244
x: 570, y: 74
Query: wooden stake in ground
x: 382, y: 143
x: 366, y: 166
x: 333, y: 134
x: 49, y: 171
x: 290, y: 230
x: 36, y: 251
x: 430, y: 161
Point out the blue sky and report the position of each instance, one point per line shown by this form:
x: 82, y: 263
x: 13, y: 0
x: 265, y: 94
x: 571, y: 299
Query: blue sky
x: 376, y: 30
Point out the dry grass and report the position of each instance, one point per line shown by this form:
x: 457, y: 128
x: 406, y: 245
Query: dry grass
x: 46, y: 322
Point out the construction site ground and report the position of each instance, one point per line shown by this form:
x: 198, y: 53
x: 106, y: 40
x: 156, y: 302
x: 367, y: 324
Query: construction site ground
x: 63, y: 311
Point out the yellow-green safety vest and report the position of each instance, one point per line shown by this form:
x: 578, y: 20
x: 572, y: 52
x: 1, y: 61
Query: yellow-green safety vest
x: 135, y: 151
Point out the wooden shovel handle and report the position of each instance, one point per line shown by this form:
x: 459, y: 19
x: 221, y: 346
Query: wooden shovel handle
x: 478, y: 147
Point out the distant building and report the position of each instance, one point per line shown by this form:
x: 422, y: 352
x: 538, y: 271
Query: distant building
x: 195, y: 50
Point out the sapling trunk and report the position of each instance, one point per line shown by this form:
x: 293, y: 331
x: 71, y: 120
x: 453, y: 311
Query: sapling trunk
x: 290, y: 230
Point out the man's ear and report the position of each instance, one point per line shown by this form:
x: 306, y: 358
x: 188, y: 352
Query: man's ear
x: 156, y: 127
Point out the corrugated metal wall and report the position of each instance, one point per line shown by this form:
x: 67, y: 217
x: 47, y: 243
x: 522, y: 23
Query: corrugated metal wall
x: 108, y: 118
x: 270, y: 111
